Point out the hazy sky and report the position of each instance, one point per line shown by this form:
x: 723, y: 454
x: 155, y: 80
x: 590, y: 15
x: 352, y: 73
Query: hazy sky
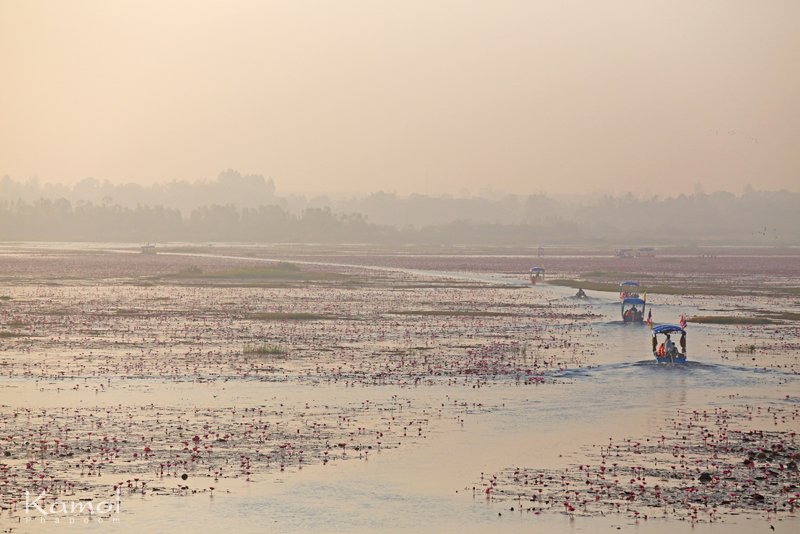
x: 428, y: 96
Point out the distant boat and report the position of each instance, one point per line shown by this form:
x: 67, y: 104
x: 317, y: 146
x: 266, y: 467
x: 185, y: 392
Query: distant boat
x: 149, y: 248
x: 537, y: 274
x: 628, y: 289
x: 642, y: 252
x: 633, y: 310
x: 624, y: 253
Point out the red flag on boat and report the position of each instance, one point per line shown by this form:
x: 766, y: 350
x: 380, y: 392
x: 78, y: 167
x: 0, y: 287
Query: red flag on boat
x: 683, y: 320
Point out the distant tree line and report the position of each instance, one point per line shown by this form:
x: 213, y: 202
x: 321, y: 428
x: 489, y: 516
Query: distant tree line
x: 622, y: 221
x: 230, y: 187
x: 237, y: 207
x: 59, y: 220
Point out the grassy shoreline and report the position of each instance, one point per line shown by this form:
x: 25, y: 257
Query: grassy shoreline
x: 664, y: 289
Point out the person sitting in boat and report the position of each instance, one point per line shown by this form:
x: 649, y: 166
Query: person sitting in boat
x: 627, y: 315
x: 671, y: 349
x: 581, y: 294
x: 661, y: 351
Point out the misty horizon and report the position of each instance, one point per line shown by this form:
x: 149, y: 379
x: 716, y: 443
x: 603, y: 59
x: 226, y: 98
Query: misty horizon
x: 30, y: 187
x: 237, y: 207
x: 451, y: 121
x: 427, y: 97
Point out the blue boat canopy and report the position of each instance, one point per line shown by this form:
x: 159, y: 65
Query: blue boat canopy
x: 629, y: 283
x: 537, y: 269
x: 668, y: 329
x: 632, y: 301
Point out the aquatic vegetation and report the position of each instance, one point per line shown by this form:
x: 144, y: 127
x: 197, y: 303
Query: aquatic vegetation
x: 704, y: 466
x: 452, y: 313
x: 7, y: 334
x: 264, y: 349
x: 115, y: 333
x: 287, y: 316
x: 729, y: 319
x: 69, y: 451
x: 783, y: 315
x: 271, y: 272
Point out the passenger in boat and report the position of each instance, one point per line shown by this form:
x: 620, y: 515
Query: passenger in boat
x: 627, y: 315
x: 670, y: 347
x: 661, y: 351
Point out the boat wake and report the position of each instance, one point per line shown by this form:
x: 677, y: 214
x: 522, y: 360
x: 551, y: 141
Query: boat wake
x: 697, y: 373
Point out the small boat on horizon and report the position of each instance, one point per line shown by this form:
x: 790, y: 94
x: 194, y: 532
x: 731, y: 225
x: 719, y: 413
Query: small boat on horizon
x: 537, y: 274
x: 629, y: 289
